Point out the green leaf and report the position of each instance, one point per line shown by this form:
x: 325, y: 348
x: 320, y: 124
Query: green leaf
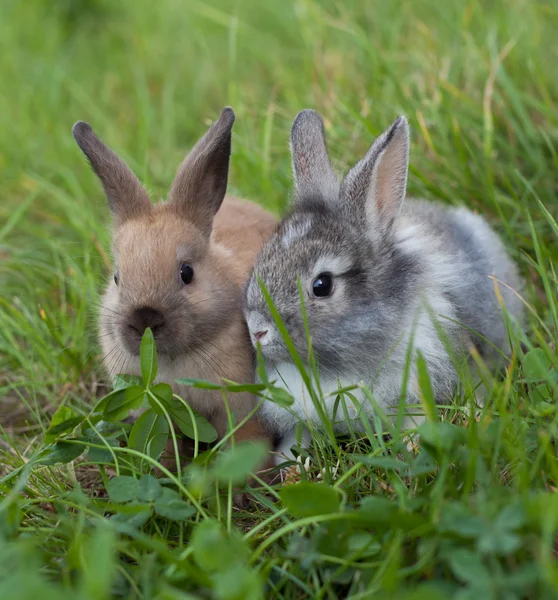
x: 61, y: 452
x: 378, y: 511
x: 104, y: 429
x: 304, y: 550
x: 542, y: 507
x: 10, y: 518
x: 424, y: 591
x: 163, y: 391
x: 363, y: 544
x: 97, y: 562
x: 149, y: 488
x: 64, y: 420
x: 468, y: 567
x: 122, y: 489
x: 423, y: 464
x: 182, y: 418
x: 117, y: 405
x: 237, y: 388
x: 238, y: 583
x: 200, y: 384
x: 382, y: 512
x: 62, y: 415
x: 306, y: 499
x: 331, y: 538
x: 214, y: 549
x: 149, y: 434
x: 279, y: 396
x: 229, y: 386
x: 64, y: 427
x: 123, y: 381
x: 102, y: 455
x: 443, y: 435
x: 171, y: 506
x: 197, y: 477
x: 544, y: 409
x: 235, y: 464
x: 148, y: 357
x: 536, y: 365
x: 458, y: 519
x: 511, y: 517
x: 132, y: 516
x: 165, y: 592
x: 498, y: 541
x: 542, y: 394
x: 101, y: 405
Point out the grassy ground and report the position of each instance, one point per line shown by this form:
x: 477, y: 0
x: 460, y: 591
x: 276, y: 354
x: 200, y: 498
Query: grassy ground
x: 475, y: 513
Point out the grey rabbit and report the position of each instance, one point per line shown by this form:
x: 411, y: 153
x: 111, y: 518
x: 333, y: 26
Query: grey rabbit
x: 377, y: 273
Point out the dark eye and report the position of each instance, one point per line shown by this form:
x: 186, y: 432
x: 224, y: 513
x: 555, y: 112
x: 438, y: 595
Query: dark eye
x: 186, y: 273
x: 323, y: 285
x: 116, y: 278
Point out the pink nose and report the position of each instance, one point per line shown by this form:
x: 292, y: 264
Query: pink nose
x: 259, y: 335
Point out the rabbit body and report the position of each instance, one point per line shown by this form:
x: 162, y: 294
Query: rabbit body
x: 205, y: 336
x: 180, y: 269
x: 377, y: 275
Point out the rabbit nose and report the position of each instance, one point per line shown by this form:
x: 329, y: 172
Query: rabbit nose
x: 145, y: 317
x: 259, y: 335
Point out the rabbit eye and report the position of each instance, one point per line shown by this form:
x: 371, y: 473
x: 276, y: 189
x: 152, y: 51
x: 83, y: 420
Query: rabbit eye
x: 186, y: 273
x: 116, y: 277
x: 322, y: 285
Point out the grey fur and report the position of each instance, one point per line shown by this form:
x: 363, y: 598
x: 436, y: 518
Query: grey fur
x: 312, y: 168
x: 392, y: 263
x: 377, y: 183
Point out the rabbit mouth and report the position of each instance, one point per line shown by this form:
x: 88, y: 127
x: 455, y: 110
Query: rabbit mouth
x: 263, y: 334
x: 168, y: 346
x: 271, y: 346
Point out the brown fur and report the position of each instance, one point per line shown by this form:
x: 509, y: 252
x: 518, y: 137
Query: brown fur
x: 203, y: 334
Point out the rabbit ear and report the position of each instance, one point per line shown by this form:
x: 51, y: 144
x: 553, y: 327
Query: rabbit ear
x: 379, y: 181
x: 315, y: 179
x: 201, y: 181
x: 127, y: 198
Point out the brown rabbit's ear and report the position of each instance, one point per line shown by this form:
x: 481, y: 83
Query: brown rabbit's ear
x: 127, y: 198
x: 315, y: 178
x: 379, y: 181
x: 201, y: 181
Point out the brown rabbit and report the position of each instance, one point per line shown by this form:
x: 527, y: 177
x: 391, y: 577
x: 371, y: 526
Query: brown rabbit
x: 181, y: 266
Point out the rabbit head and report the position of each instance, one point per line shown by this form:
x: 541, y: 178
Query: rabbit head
x: 169, y: 274
x: 339, y: 242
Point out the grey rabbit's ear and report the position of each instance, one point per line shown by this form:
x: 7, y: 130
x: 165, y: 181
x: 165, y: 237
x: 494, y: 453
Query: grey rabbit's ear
x: 127, y: 197
x: 314, y: 176
x: 379, y: 181
x: 201, y: 181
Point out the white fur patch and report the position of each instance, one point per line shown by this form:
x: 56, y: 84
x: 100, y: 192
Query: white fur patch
x: 441, y: 266
x: 283, y: 421
x: 287, y: 376
x: 332, y: 264
x: 410, y: 239
x: 295, y: 230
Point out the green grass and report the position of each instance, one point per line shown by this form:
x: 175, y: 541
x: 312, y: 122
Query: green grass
x: 475, y: 513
